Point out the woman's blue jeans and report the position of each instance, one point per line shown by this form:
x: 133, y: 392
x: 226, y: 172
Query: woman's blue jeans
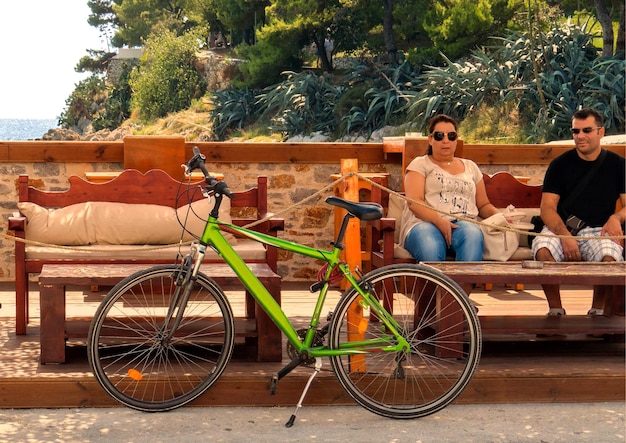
x: 426, y: 243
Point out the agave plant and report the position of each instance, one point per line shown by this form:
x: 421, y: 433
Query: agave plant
x: 573, y: 76
x: 301, y: 104
x: 232, y: 109
x: 548, y: 83
x: 384, y: 102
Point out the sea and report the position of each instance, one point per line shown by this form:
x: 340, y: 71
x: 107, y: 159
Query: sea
x: 25, y: 129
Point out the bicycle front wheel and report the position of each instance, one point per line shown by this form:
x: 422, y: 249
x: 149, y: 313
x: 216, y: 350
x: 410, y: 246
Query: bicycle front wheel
x: 139, y: 360
x: 439, y: 322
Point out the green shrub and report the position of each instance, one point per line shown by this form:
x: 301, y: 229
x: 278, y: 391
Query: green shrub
x: 84, y: 103
x: 167, y: 79
x: 277, y: 49
x: 117, y: 104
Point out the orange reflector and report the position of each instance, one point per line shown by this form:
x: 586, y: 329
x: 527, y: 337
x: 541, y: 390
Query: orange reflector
x: 362, y: 326
x: 135, y: 374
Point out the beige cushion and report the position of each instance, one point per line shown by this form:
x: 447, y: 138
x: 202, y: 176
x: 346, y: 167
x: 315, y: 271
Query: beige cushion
x: 118, y: 223
x: 63, y: 226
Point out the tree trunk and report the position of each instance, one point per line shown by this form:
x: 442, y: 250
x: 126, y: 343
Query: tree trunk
x: 321, y: 53
x: 620, y: 44
x: 607, y: 27
x: 390, y: 42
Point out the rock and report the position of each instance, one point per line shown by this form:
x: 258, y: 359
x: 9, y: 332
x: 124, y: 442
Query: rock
x: 59, y: 134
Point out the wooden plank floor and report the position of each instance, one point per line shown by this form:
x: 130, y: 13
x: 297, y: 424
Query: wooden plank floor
x: 513, y: 369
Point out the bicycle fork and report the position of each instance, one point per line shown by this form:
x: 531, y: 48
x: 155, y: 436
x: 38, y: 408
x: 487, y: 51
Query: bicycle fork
x: 184, y: 285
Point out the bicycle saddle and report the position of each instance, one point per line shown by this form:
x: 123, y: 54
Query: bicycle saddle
x: 362, y: 211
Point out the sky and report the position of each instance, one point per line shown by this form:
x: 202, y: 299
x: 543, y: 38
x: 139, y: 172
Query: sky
x: 42, y: 41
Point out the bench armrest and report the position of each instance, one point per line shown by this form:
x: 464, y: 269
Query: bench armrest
x: 382, y: 234
x: 17, y: 222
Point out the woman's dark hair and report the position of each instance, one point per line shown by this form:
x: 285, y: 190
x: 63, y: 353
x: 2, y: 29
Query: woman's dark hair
x: 433, y: 122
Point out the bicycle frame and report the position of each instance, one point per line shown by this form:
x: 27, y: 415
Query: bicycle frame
x: 213, y: 236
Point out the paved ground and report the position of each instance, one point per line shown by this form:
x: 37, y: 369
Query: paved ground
x: 589, y: 422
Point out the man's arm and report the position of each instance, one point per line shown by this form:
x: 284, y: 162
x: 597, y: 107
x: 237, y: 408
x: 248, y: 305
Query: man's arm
x: 553, y: 221
x: 613, y: 226
x: 549, y: 214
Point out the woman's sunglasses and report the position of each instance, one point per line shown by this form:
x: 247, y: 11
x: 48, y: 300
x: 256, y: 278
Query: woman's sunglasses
x: 586, y: 130
x: 438, y: 135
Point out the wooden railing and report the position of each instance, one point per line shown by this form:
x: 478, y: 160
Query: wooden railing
x: 389, y: 151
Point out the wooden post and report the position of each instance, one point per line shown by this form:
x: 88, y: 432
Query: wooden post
x: 155, y: 152
x: 353, y: 258
x: 353, y: 233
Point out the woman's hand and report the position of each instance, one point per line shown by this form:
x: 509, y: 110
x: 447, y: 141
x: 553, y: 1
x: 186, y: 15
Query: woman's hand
x: 446, y: 227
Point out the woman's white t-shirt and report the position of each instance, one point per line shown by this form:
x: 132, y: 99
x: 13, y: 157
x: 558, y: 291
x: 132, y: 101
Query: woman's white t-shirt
x: 452, y: 194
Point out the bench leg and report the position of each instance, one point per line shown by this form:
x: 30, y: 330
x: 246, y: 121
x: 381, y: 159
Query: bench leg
x: 452, y: 323
x: 52, y: 329
x: 615, y: 303
x: 21, y: 302
x: 269, y: 346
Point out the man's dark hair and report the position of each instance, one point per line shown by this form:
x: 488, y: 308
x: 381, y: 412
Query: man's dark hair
x: 582, y: 114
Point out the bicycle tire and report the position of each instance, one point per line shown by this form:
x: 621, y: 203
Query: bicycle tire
x: 129, y: 359
x: 436, y: 318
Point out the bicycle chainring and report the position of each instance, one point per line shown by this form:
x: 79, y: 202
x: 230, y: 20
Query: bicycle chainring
x: 318, y: 340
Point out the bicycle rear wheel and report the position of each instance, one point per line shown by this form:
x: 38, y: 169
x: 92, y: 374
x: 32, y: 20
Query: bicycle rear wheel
x: 436, y: 318
x: 132, y: 359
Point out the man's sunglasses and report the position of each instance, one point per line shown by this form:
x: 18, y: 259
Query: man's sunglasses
x: 438, y: 135
x: 586, y: 130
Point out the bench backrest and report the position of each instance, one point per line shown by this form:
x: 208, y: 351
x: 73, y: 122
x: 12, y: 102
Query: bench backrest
x: 504, y: 189
x: 135, y: 187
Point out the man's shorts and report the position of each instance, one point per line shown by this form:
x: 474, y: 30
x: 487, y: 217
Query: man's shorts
x: 590, y: 249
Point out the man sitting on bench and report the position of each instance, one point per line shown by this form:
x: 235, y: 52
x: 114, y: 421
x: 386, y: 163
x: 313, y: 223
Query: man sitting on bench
x: 579, y: 193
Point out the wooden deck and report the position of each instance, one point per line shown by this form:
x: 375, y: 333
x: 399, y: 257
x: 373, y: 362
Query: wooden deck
x: 514, y: 368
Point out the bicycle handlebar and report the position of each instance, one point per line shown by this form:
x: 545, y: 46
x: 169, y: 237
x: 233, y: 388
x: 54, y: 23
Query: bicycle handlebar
x: 213, y: 185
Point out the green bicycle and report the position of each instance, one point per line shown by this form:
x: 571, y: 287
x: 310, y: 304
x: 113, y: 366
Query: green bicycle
x: 403, y: 340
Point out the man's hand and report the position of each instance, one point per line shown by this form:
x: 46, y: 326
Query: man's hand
x: 571, y: 251
x: 613, y: 227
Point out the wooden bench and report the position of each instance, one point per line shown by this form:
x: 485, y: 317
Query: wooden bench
x: 256, y: 327
x: 586, y: 273
x: 131, y: 187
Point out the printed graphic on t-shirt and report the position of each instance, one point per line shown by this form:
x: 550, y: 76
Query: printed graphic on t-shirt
x: 454, y: 192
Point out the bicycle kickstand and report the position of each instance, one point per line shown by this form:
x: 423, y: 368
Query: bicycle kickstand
x: 318, y: 367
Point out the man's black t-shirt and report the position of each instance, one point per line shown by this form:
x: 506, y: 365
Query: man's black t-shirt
x: 596, y: 202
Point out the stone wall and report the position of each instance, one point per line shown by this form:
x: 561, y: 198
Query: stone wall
x: 310, y: 223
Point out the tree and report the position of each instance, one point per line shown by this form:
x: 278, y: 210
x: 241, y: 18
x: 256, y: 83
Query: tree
x: 137, y: 18
x: 605, y: 17
x: 390, y: 42
x: 608, y: 13
x: 241, y: 17
x: 103, y: 17
x: 458, y: 26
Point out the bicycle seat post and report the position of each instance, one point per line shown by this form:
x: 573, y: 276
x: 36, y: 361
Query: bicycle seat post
x: 338, y: 243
